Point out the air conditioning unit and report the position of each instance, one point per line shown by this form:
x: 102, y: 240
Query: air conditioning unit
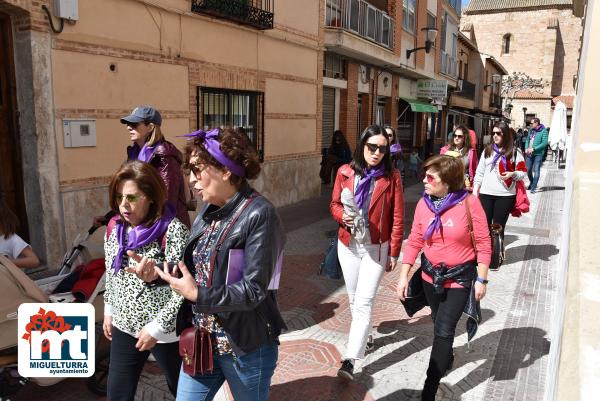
x: 459, y: 85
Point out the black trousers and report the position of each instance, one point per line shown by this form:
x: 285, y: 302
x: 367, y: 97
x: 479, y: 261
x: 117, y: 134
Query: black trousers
x: 497, y: 208
x: 446, y: 310
x: 126, y: 364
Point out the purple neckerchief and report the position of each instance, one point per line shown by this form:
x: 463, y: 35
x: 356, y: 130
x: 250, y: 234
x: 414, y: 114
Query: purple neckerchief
x: 140, y: 236
x: 364, y: 184
x: 534, y: 131
x: 497, y: 156
x: 212, y: 146
x: 395, y: 149
x: 144, y: 154
x: 453, y: 198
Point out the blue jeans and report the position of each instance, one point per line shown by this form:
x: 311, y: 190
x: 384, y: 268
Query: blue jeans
x: 533, y: 164
x: 249, y: 377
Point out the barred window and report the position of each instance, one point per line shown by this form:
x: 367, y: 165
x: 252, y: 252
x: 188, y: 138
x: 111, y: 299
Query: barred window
x: 223, y: 107
x: 334, y: 66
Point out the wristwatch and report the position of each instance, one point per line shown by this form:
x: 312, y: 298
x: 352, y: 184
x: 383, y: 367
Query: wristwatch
x: 482, y: 280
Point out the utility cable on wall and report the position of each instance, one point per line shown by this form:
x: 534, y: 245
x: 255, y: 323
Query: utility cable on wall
x: 62, y: 20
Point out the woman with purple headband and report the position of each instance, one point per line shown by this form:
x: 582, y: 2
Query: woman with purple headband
x: 229, y: 273
x: 500, y: 167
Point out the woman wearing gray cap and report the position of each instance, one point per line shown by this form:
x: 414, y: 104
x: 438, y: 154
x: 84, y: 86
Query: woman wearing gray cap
x: 150, y: 146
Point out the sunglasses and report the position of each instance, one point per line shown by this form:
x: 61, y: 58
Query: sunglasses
x: 128, y: 198
x: 374, y: 148
x: 430, y: 178
x: 194, y: 168
x: 498, y: 133
x: 458, y: 136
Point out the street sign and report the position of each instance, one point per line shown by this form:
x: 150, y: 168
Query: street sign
x: 432, y: 88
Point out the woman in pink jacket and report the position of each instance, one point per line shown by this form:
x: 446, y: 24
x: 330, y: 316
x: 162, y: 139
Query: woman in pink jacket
x: 461, y: 145
x: 451, y: 229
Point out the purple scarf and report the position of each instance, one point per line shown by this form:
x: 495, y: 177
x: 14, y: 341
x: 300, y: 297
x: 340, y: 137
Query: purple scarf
x: 498, y: 155
x: 144, y: 154
x: 364, y: 184
x: 452, y: 199
x: 212, y: 146
x: 395, y: 149
x: 140, y: 236
x: 534, y: 131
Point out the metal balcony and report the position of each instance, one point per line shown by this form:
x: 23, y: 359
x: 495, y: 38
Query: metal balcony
x: 361, y: 18
x: 255, y: 13
x: 467, y: 91
x: 449, y: 65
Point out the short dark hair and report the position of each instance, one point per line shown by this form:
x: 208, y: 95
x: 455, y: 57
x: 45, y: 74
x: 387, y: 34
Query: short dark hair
x: 148, y: 181
x: 450, y: 169
x: 358, y: 163
x: 236, y: 146
x: 537, y: 120
x: 9, y: 222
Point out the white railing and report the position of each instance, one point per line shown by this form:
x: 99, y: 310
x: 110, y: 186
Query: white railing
x: 449, y: 64
x: 362, y: 18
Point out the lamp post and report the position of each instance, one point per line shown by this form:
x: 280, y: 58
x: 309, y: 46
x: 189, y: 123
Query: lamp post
x: 524, y: 117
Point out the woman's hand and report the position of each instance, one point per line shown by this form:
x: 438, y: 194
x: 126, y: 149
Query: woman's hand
x: 480, y: 290
x: 185, y: 286
x: 476, y: 191
x: 507, y: 174
x: 391, y: 264
x: 145, y: 341
x: 107, y: 327
x: 402, y: 287
x: 144, y: 268
x: 348, y: 220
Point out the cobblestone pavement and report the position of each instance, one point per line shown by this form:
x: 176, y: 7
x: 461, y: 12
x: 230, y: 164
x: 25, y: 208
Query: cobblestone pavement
x: 507, y: 360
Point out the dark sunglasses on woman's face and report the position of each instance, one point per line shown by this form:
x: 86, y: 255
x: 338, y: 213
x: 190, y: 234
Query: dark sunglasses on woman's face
x: 193, y: 168
x: 458, y: 136
x: 133, y: 125
x: 374, y: 147
x: 498, y: 133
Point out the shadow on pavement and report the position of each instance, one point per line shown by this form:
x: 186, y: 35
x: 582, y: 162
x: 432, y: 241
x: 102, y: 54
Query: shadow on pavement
x: 532, y: 251
x: 551, y: 188
x: 518, y: 348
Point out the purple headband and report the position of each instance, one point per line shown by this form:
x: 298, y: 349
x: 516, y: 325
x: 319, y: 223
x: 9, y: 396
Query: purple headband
x: 212, y: 146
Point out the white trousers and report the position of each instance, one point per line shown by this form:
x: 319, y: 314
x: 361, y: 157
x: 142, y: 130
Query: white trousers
x: 363, y: 266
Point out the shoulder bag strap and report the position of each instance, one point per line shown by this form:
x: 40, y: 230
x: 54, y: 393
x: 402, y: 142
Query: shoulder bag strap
x: 470, y: 223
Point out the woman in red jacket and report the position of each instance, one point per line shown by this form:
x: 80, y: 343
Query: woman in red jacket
x: 368, y: 204
x: 451, y: 229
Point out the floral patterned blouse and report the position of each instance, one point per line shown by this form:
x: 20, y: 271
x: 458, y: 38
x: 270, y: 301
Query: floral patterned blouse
x: 201, y: 257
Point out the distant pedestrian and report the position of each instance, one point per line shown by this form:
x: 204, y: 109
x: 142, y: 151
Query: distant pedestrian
x: 535, y: 148
x: 11, y: 244
x: 368, y: 204
x: 500, y: 166
x: 395, y: 151
x: 413, y: 163
x: 338, y: 153
x: 454, y: 266
x: 460, y: 146
x: 150, y: 146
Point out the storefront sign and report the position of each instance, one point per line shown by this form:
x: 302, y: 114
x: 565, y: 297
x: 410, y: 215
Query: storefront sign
x: 432, y: 88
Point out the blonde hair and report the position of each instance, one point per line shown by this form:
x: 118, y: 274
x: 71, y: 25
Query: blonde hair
x: 155, y: 136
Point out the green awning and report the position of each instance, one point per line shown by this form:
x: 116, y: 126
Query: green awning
x: 420, y: 106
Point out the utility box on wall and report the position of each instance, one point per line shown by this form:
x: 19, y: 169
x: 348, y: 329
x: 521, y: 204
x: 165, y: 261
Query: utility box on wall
x: 79, y: 133
x: 67, y: 9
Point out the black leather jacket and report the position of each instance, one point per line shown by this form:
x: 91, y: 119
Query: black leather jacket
x: 247, y: 311
x: 464, y: 274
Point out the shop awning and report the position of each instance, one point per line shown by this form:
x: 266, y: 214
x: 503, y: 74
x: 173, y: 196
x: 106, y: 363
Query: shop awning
x: 420, y: 106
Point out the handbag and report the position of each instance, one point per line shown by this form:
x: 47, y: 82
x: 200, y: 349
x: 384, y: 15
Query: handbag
x: 195, y: 349
x: 330, y: 267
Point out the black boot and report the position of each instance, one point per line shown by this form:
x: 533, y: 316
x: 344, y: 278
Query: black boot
x: 429, y: 389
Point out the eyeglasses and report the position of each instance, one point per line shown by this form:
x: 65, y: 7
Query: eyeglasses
x: 374, y: 148
x: 133, y: 125
x: 195, y: 168
x: 430, y: 178
x: 128, y: 198
x: 498, y: 133
x: 458, y: 136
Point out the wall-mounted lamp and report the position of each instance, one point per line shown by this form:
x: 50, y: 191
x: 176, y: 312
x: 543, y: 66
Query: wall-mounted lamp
x: 508, y: 108
x: 430, y: 33
x: 496, y: 78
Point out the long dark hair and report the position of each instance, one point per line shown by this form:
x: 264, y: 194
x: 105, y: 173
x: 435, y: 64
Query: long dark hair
x: 507, y: 141
x: 343, y: 142
x: 466, y: 137
x: 358, y: 163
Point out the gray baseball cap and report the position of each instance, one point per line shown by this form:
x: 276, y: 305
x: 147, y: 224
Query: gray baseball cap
x: 147, y: 114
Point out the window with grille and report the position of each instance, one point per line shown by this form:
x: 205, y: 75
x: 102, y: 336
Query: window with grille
x: 408, y: 16
x: 334, y: 66
x: 234, y: 108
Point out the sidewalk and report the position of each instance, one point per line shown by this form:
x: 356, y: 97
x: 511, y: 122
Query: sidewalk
x: 507, y: 359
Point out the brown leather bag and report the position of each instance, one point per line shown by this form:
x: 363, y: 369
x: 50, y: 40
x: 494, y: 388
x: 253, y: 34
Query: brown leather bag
x: 195, y: 349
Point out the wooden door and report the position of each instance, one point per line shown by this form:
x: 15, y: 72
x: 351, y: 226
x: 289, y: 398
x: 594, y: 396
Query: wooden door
x: 11, y: 178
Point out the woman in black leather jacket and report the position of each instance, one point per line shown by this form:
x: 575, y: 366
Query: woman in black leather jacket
x: 238, y: 227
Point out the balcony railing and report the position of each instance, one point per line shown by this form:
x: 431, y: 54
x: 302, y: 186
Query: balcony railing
x: 449, y: 65
x: 255, y: 13
x: 495, y: 101
x: 467, y: 91
x: 362, y: 18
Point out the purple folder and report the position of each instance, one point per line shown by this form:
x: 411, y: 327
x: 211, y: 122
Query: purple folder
x: 237, y: 263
